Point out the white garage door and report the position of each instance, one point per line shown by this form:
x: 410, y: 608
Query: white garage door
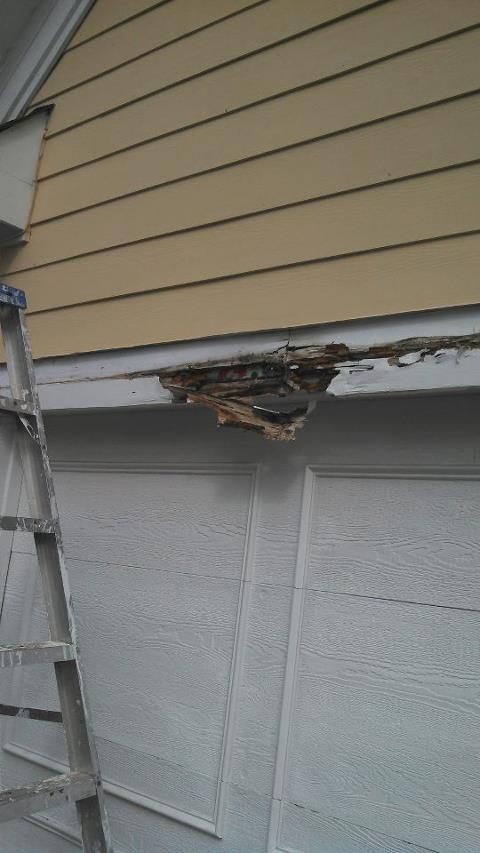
x: 282, y: 641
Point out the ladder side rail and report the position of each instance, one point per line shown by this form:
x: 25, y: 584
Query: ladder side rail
x: 56, y: 587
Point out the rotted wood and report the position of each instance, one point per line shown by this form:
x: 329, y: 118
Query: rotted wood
x: 239, y: 413
x: 231, y: 388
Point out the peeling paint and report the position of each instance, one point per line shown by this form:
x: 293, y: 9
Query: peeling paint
x: 230, y: 388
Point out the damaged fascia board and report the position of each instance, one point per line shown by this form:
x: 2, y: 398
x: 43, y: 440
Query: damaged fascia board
x: 232, y: 389
x: 128, y: 378
x: 437, y: 351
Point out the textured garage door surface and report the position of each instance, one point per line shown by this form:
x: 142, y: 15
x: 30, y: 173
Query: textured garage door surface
x: 282, y: 641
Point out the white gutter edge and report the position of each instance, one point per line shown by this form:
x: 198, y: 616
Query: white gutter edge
x: 38, y: 51
x: 111, y: 379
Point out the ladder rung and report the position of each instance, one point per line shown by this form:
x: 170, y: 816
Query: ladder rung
x: 17, y: 407
x: 27, y: 525
x: 49, y: 793
x: 27, y: 653
x: 31, y: 714
x: 12, y: 296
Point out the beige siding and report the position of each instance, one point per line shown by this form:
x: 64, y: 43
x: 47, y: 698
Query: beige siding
x: 441, y: 272
x: 106, y: 15
x: 238, y: 166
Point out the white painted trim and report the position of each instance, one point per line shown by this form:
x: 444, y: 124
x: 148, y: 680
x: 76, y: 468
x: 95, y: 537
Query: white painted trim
x: 44, y: 39
x: 110, y: 379
x: 124, y: 362
x: 293, y: 647
x: 215, y: 825
x: 312, y: 472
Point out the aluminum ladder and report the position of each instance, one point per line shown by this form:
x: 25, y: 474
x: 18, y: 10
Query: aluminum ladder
x: 82, y: 785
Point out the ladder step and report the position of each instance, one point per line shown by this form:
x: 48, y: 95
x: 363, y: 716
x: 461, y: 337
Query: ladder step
x: 27, y: 525
x: 12, y: 296
x: 17, y: 407
x: 27, y: 653
x: 31, y: 714
x: 49, y: 793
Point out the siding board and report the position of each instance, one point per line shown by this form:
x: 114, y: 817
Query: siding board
x: 227, y: 41
x: 408, y: 81
x: 104, y: 15
x: 369, y: 285
x: 319, y: 54
x: 398, y: 147
x: 160, y: 26
x: 443, y: 203
x: 240, y: 165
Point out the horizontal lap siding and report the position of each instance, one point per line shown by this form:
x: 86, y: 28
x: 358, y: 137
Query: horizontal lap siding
x: 403, y: 212
x: 442, y: 272
x: 234, y: 176
x: 106, y: 15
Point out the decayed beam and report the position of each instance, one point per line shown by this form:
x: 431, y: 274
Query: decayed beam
x: 242, y: 414
x: 230, y: 387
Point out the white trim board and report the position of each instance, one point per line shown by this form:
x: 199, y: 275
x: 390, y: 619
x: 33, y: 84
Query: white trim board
x: 47, y: 34
x: 126, y: 378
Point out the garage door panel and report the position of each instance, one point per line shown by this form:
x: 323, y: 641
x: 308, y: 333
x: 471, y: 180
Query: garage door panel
x: 159, y: 657
x: 186, y: 520
x: 259, y: 702
x: 409, y: 538
x: 302, y: 828
x: 158, y: 780
x: 159, y: 642
x: 386, y: 719
x: 284, y: 648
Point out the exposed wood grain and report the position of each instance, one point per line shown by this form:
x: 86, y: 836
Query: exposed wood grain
x: 312, y: 57
x: 231, y: 39
x: 419, y: 275
x: 398, y: 147
x: 444, y: 203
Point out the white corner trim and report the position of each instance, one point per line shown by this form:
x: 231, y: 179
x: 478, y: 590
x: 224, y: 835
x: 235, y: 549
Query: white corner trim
x: 44, y: 39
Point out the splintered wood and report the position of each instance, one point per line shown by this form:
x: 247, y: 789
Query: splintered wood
x: 240, y: 413
x: 231, y: 388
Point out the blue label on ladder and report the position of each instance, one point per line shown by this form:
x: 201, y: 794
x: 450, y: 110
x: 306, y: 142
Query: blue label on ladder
x: 12, y: 296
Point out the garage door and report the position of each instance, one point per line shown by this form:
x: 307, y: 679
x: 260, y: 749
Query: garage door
x: 282, y: 641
